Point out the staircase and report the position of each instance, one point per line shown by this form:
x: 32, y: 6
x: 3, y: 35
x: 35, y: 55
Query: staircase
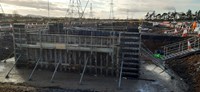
x: 19, y: 39
x: 165, y: 68
x: 130, y: 43
x: 181, y: 48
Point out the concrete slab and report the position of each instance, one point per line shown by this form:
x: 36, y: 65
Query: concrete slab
x: 41, y: 78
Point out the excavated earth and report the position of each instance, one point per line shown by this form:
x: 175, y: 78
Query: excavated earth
x: 189, y: 69
x: 23, y: 87
x: 186, y: 67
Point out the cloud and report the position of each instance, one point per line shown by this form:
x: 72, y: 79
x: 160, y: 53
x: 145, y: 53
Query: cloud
x: 133, y: 10
x: 169, y: 8
x: 34, y: 4
x: 101, y: 8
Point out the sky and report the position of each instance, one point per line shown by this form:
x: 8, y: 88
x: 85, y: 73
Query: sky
x: 100, y: 8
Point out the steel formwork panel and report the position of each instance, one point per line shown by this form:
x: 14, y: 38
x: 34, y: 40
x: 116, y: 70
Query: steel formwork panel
x: 72, y: 48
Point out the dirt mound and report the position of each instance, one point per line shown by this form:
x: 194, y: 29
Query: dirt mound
x: 23, y: 87
x: 189, y: 69
x: 10, y: 87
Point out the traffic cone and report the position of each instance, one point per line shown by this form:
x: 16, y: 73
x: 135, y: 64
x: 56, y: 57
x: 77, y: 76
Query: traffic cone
x: 32, y: 25
x: 11, y: 27
x: 199, y: 33
x: 189, y: 45
x: 165, y: 32
x: 188, y: 29
x: 28, y: 25
x: 182, y: 28
x: 184, y: 33
x: 175, y: 31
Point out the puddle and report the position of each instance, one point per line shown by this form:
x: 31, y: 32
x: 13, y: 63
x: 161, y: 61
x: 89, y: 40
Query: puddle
x: 2, y: 67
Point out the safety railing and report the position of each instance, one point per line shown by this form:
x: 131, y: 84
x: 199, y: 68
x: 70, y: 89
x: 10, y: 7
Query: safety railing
x: 161, y: 63
x: 37, y: 27
x: 147, y: 53
x: 112, y: 28
x: 102, y: 41
x: 188, y: 44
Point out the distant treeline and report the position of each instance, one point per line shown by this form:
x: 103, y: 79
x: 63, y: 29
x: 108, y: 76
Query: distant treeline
x: 189, y: 15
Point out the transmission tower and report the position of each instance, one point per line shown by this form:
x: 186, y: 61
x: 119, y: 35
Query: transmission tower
x: 111, y: 10
x: 91, y: 12
x: 127, y: 13
x: 1, y: 9
x: 74, y: 9
x: 2, y: 12
x: 48, y: 9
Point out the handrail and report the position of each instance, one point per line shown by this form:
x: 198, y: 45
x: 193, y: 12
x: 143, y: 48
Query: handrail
x: 149, y: 54
x: 178, y: 42
x: 181, y: 46
x: 161, y: 63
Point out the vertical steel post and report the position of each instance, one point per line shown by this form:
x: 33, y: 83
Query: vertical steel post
x: 30, y: 77
x: 85, y: 65
x: 121, y: 70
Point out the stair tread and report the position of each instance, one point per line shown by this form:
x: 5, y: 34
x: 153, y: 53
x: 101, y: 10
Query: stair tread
x: 130, y: 68
x: 130, y: 44
x: 128, y: 48
x: 127, y: 63
x: 130, y: 37
x: 131, y: 59
x: 130, y: 53
x: 130, y: 73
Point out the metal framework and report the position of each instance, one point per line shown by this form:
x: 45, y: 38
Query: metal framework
x: 181, y: 48
x: 111, y: 16
x: 79, y: 50
x: 74, y: 10
x: 91, y: 11
x: 2, y: 9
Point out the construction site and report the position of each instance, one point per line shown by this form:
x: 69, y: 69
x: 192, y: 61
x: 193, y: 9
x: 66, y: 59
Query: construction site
x: 77, y: 54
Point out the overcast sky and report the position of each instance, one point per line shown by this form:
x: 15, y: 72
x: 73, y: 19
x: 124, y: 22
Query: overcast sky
x: 101, y: 8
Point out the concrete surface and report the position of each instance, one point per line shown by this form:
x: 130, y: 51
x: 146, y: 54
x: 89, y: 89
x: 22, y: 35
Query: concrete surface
x: 41, y: 78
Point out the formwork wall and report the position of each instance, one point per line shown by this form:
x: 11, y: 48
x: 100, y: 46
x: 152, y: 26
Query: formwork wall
x: 71, y: 48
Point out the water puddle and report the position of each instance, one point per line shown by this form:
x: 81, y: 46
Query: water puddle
x: 2, y: 67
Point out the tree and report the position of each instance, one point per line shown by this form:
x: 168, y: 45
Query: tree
x: 15, y: 16
x: 169, y: 15
x: 189, y: 14
x: 182, y: 16
x: 164, y: 16
x: 147, y: 15
x: 198, y: 14
x: 158, y: 16
x: 152, y: 16
x: 173, y: 15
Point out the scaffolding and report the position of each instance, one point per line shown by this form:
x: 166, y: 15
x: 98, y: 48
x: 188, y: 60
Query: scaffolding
x: 78, y: 50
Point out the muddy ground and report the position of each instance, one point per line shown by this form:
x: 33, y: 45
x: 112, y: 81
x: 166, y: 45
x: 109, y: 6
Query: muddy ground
x: 23, y: 87
x: 189, y: 69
